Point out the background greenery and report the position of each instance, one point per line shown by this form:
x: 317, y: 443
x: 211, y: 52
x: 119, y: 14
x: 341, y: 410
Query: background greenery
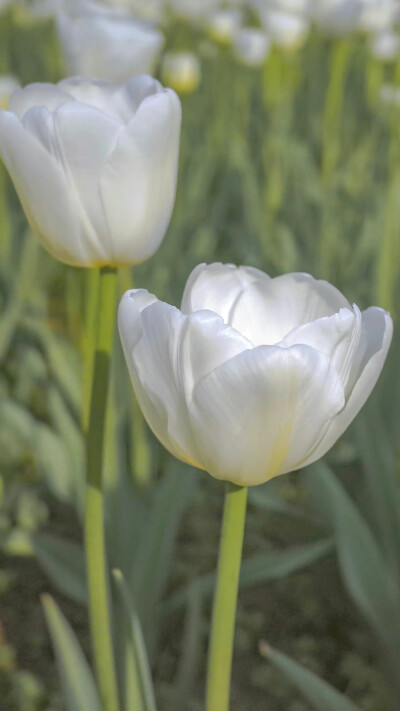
x: 294, y: 166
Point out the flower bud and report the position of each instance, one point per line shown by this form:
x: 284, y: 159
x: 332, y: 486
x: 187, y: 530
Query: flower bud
x: 95, y: 166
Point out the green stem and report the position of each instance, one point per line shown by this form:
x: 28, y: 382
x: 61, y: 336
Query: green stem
x: 225, y: 599
x: 140, y: 456
x: 89, y: 338
x: 99, y: 604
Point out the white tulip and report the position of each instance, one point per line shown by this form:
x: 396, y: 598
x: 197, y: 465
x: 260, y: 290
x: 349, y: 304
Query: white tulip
x: 223, y: 24
x: 194, y: 10
x: 108, y: 45
x: 254, y: 377
x: 385, y: 45
x: 337, y: 17
x: 251, y: 46
x: 378, y: 15
x: 182, y: 71
x: 95, y: 166
x: 286, y: 29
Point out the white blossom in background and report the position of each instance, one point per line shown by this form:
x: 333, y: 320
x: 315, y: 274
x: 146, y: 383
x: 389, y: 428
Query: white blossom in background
x: 8, y: 84
x: 224, y: 24
x: 297, y: 7
x: 378, y: 15
x: 109, y: 46
x: 251, y: 46
x: 253, y: 377
x: 181, y: 71
x: 385, y: 45
x: 285, y: 29
x: 337, y: 17
x: 149, y: 10
x: 194, y: 10
x: 95, y: 166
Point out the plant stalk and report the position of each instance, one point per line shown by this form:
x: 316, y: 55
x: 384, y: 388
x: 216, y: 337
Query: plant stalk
x: 225, y: 599
x: 96, y: 561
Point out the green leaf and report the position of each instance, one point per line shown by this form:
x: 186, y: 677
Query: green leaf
x: 266, y: 497
x: 152, y: 563
x: 79, y: 689
x: 53, y: 460
x: 70, y: 431
x: 366, y: 573
x: 279, y: 564
x: 321, y: 695
x: 263, y: 567
x: 378, y: 458
x: 191, y: 648
x: 64, y: 563
x: 139, y: 692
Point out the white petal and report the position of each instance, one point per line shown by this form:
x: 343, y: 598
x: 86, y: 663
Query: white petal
x: 43, y: 192
x: 264, y: 310
x: 38, y: 94
x: 267, y: 311
x: 216, y: 287
x: 131, y: 306
x: 336, y: 336
x: 368, y: 361
x: 205, y: 344
x: 85, y: 138
x: 155, y: 332
x: 260, y: 414
x: 139, y: 181
x: 102, y: 95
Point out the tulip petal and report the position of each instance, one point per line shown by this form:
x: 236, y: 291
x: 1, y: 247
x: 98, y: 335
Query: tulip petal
x: 268, y: 310
x: 216, y: 287
x: 43, y: 191
x: 368, y: 361
x: 139, y: 181
x: 336, y: 336
x: 38, y: 94
x: 205, y: 344
x: 150, y: 336
x: 84, y: 139
x: 112, y: 100
x: 264, y: 310
x: 260, y: 413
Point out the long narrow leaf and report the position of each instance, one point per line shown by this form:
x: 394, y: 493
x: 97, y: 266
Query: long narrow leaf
x: 319, y: 693
x: 367, y: 574
x: 139, y: 692
x: 64, y: 563
x: 79, y: 689
x: 263, y: 567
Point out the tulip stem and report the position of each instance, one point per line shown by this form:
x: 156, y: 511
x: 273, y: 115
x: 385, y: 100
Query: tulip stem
x: 225, y: 599
x: 96, y: 561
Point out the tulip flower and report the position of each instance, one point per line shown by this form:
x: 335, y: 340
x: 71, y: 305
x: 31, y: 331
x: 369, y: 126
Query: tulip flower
x: 182, y: 71
x: 108, y: 45
x: 251, y: 46
x: 253, y: 377
x: 195, y: 11
x: 337, y: 17
x: 286, y: 29
x: 95, y: 166
x: 385, y: 45
x: 223, y: 25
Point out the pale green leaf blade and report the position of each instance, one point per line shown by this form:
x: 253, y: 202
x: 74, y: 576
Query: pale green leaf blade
x: 319, y: 693
x: 79, y: 689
